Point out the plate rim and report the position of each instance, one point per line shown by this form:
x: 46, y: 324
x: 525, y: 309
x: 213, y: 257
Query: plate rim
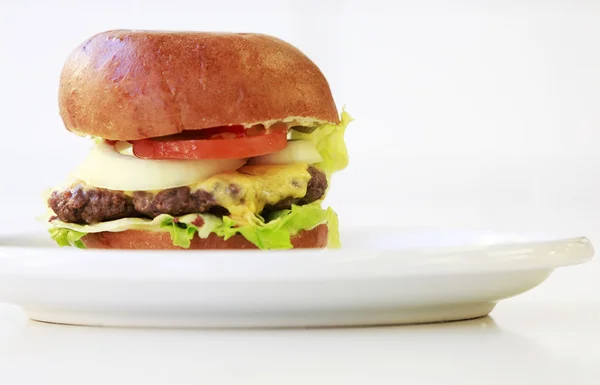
x: 348, y: 263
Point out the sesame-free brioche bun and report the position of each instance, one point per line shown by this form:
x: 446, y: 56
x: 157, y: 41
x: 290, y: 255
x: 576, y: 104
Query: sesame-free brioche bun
x: 128, y: 85
x: 139, y: 239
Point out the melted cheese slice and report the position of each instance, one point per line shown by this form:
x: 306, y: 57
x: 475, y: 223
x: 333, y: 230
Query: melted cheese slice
x: 248, y: 190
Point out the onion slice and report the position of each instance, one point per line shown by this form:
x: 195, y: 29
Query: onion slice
x: 297, y: 151
x: 104, y: 167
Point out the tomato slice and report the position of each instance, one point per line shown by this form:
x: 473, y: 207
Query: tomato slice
x: 233, y: 142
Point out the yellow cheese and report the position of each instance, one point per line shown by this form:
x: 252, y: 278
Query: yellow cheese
x: 248, y: 190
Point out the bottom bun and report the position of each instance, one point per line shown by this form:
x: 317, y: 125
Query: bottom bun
x: 145, y: 240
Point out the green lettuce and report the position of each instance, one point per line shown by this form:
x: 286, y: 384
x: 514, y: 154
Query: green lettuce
x: 67, y: 237
x: 273, y: 233
x: 329, y: 140
x: 181, y: 228
x: 277, y: 231
x: 181, y: 233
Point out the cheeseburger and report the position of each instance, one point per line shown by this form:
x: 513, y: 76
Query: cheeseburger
x: 198, y: 141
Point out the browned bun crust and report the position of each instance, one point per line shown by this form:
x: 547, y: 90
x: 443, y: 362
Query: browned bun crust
x: 127, y: 85
x: 139, y: 239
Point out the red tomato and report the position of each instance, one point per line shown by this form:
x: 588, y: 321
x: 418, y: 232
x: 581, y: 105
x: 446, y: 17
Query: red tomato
x: 233, y: 142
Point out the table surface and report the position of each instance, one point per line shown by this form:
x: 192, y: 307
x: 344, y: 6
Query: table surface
x: 523, y: 342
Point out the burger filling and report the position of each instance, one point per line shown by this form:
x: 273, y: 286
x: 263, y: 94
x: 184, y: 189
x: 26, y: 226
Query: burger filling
x: 230, y: 180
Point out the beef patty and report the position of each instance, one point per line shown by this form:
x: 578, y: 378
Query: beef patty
x: 93, y: 205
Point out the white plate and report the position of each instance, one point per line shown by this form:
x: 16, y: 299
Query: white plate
x: 381, y: 276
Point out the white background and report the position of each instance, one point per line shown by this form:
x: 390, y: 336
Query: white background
x: 468, y: 113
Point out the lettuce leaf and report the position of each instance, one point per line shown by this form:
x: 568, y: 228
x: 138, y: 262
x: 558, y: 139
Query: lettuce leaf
x: 181, y: 233
x: 67, y: 237
x: 210, y: 222
x: 272, y: 233
x: 329, y: 140
x: 182, y: 229
x: 280, y: 226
